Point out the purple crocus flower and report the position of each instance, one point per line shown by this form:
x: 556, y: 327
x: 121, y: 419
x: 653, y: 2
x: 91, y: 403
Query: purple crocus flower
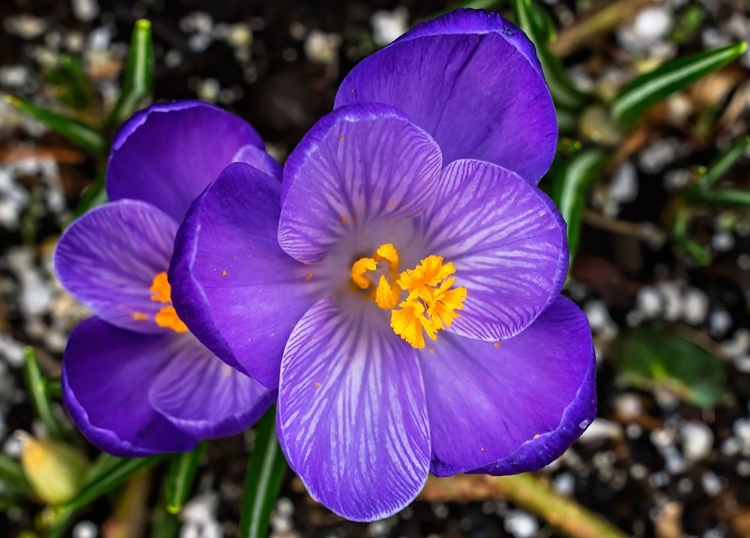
x: 401, y: 286
x: 135, y: 381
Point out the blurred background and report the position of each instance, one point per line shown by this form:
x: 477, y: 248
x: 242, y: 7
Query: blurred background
x: 656, y: 193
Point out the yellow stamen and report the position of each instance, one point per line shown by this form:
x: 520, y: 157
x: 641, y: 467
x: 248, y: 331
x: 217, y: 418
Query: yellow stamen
x: 388, y: 253
x: 161, y: 292
x: 360, y: 269
x: 167, y: 317
x: 160, y: 289
x: 431, y: 302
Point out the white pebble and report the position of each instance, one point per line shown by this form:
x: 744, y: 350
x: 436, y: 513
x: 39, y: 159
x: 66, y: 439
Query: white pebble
x: 722, y: 241
x: 648, y: 302
x: 695, y: 306
x: 85, y: 529
x: 387, y: 26
x: 711, y: 483
x: 719, y: 321
x: 624, y: 184
x: 652, y: 24
x: 697, y: 441
x: 521, y: 524
x: 601, y: 430
x: 85, y: 10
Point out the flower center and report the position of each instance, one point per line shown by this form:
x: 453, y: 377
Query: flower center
x: 161, y: 292
x: 431, y: 300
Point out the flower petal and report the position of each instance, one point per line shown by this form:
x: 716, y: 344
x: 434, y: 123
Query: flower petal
x: 204, y: 397
x: 232, y: 285
x: 106, y: 376
x: 168, y: 153
x: 507, y: 241
x: 357, y: 165
x: 512, y: 407
x: 351, y: 414
x: 109, y: 257
x: 472, y: 80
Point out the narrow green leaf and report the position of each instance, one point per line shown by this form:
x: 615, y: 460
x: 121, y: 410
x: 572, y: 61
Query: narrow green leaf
x: 165, y: 525
x: 570, y: 186
x: 78, y: 133
x: 12, y: 475
x: 36, y: 383
x: 53, y: 387
x: 265, y: 473
x: 139, y: 77
x: 648, y: 89
x: 688, y: 24
x: 535, y: 23
x: 180, y: 476
x: 724, y: 162
x: 651, y: 357
x: 728, y: 197
x: 70, y: 78
x: 106, y: 474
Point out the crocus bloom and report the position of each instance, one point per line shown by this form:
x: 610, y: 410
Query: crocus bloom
x: 401, y: 286
x: 135, y: 381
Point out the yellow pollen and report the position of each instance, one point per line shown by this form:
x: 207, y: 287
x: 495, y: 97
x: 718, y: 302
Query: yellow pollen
x: 431, y: 301
x: 360, y: 269
x: 161, y: 292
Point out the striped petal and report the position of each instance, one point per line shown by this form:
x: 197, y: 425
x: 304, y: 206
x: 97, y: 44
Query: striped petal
x: 357, y: 166
x: 507, y: 242
x: 108, y: 259
x: 352, y: 415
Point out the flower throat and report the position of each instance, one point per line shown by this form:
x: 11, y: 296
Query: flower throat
x: 431, y: 300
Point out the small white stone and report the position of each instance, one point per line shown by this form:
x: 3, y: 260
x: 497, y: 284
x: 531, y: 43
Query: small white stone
x: 711, y: 483
x: 564, y: 483
x: 652, y: 24
x: 697, y: 441
x: 648, y: 302
x: 624, y: 184
x: 719, y: 321
x: 722, y: 241
x: 601, y: 430
x: 628, y: 406
x: 695, y: 306
x: 85, y: 529
x: 85, y: 10
x: 387, y: 26
x: 322, y: 48
x: 521, y: 524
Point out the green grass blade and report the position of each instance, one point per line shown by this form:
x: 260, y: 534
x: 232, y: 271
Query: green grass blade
x: 570, y: 187
x: 180, y: 477
x: 37, y: 385
x: 648, y: 89
x: 81, y: 135
x: 12, y: 475
x: 139, y: 77
x: 265, y: 473
x: 724, y: 162
x: 535, y: 23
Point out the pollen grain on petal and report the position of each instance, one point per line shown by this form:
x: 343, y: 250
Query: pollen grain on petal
x: 139, y: 316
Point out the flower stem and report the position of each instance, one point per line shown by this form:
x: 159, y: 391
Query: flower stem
x: 528, y: 491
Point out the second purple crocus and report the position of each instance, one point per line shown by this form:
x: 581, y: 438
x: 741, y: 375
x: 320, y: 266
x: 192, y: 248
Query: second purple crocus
x: 135, y: 380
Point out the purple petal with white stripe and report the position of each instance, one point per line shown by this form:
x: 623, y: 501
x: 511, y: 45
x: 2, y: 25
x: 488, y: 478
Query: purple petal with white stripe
x: 357, y: 165
x: 507, y: 241
x: 352, y: 415
x: 514, y: 406
x: 168, y: 153
x: 109, y: 257
x: 203, y: 396
x: 471, y: 80
x: 106, y: 377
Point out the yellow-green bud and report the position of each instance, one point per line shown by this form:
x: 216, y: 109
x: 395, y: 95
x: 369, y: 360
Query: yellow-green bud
x: 54, y: 470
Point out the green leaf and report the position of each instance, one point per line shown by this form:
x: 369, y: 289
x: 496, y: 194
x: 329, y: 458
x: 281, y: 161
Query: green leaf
x: 265, y: 473
x: 728, y: 197
x: 688, y: 24
x: 12, y: 475
x: 139, y: 77
x: 106, y: 474
x: 650, y: 357
x: 53, y: 387
x: 724, y: 162
x: 37, y: 384
x: 648, y: 89
x: 536, y: 24
x: 570, y: 186
x: 472, y: 4
x: 180, y: 476
x: 80, y: 134
x: 69, y: 76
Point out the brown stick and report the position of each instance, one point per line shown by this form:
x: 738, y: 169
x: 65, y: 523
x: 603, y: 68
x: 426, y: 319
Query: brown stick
x: 529, y: 492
